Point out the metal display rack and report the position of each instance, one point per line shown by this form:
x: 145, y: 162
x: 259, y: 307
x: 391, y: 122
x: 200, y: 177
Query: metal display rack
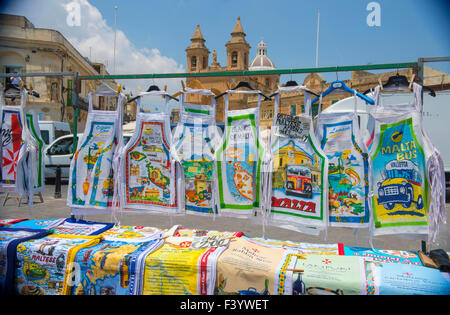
x: 418, y: 66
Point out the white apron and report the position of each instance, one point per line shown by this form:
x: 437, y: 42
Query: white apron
x: 408, y: 176
x: 14, y: 148
x: 298, y: 193
x: 148, y: 176
x: 239, y: 161
x: 348, y: 169
x: 36, y: 159
x: 196, y: 139
x: 91, y: 177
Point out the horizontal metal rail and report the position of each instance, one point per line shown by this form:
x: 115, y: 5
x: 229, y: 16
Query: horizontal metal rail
x: 37, y: 74
x: 250, y: 73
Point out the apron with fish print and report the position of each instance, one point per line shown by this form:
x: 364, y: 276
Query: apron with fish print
x: 408, y: 177
x: 297, y: 197
x: 14, y: 148
x: 91, y: 177
x: 239, y: 161
x: 348, y: 168
x: 147, y: 180
x: 196, y: 139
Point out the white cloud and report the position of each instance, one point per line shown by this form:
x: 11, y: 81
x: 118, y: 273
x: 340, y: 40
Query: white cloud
x: 94, y: 38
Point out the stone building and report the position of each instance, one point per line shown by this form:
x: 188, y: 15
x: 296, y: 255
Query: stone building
x: 26, y: 48
x: 237, y: 52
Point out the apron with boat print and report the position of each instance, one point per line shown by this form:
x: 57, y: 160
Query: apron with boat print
x: 348, y: 169
x: 239, y: 161
x: 298, y: 192
x: 91, y: 177
x: 148, y: 175
x: 195, y: 143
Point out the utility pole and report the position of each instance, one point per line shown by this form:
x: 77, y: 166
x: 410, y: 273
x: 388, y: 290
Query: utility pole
x: 115, y: 37
x: 317, y: 39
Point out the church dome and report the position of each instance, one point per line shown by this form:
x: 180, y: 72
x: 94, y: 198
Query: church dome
x: 261, y: 61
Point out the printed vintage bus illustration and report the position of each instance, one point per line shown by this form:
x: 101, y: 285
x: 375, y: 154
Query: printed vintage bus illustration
x: 399, y: 177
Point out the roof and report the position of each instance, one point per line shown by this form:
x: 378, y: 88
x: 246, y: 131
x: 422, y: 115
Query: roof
x: 261, y: 61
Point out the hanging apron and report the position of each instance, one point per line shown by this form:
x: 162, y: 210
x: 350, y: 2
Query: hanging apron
x: 14, y: 148
x: 406, y: 166
x: 91, y: 177
x: 36, y: 159
x: 239, y: 161
x: 148, y: 178
x: 298, y: 193
x: 196, y: 139
x: 348, y: 168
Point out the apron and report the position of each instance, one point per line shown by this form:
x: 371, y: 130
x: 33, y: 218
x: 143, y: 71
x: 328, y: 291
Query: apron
x: 298, y: 186
x: 36, y: 159
x: 91, y: 177
x: 239, y: 161
x: 14, y: 148
x: 408, y: 185
x: 196, y: 139
x: 348, y: 169
x: 148, y: 178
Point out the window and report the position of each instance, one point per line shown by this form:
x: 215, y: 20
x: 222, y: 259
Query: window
x: 10, y: 69
x: 205, y: 63
x: 293, y: 110
x: 193, y: 62
x: 54, y: 91
x: 45, y: 136
x: 62, y: 147
x: 234, y: 59
x: 69, y: 93
x: 268, y: 83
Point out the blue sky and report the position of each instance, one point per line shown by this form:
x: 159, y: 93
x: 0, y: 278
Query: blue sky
x: 409, y: 28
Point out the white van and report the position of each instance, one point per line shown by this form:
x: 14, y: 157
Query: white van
x: 52, y: 130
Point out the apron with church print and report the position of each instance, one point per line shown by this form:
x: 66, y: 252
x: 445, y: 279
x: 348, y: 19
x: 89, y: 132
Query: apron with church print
x: 239, y: 161
x: 298, y: 193
x: 348, y: 169
x: 195, y: 143
x: 148, y: 177
x: 91, y: 177
x: 407, y: 176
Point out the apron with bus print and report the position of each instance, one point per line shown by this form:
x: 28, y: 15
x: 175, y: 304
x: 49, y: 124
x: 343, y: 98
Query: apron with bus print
x: 148, y: 177
x: 195, y: 143
x: 239, y: 161
x: 298, y: 193
x: 405, y: 169
x: 91, y: 177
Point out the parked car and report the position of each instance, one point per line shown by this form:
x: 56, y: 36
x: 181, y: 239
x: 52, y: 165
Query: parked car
x: 52, y: 130
x: 60, y: 152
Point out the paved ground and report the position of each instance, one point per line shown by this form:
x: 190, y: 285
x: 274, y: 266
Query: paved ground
x: 56, y: 208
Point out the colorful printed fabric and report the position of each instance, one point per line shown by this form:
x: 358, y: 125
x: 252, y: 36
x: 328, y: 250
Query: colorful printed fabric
x: 37, y: 158
x: 109, y: 268
x: 10, y: 238
x: 348, y: 169
x: 383, y: 255
x: 148, y: 177
x: 13, y: 148
x: 39, y: 223
x: 297, y: 186
x: 302, y: 248
x: 45, y: 265
x: 250, y: 268
x: 239, y: 162
x: 8, y: 222
x: 196, y: 139
x: 400, y: 183
x: 72, y: 226
x: 91, y: 179
x: 405, y: 279
x: 184, y: 265
x: 330, y: 275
